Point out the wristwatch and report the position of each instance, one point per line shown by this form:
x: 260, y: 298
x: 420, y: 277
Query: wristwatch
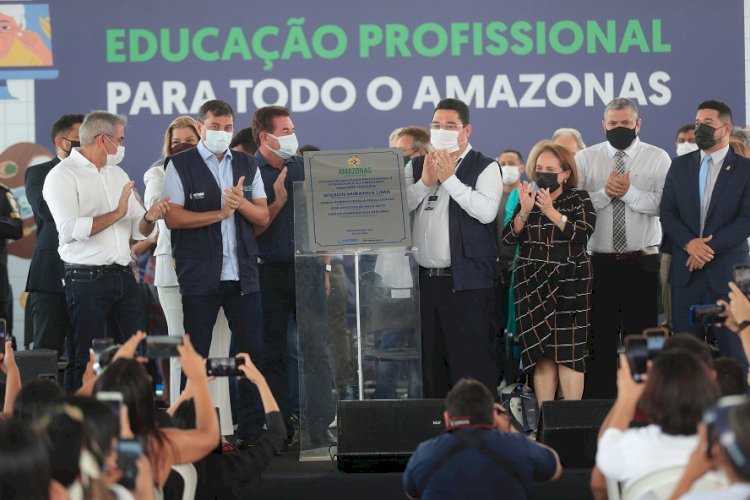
x: 563, y: 219
x: 328, y: 268
x: 744, y: 324
x: 146, y: 219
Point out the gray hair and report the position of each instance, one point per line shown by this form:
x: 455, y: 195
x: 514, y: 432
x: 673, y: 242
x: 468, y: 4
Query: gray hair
x: 394, y: 135
x: 621, y: 103
x: 97, y: 123
x: 570, y: 132
x: 741, y: 134
x: 17, y: 12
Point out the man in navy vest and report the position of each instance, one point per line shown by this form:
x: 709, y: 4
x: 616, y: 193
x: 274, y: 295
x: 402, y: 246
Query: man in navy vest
x: 217, y: 196
x: 454, y: 193
x: 280, y: 167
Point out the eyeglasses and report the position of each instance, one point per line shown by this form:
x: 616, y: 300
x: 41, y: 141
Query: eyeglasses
x: 453, y: 126
x: 114, y: 140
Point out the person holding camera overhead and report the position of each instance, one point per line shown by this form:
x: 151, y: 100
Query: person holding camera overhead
x: 705, y: 212
x: 553, y: 274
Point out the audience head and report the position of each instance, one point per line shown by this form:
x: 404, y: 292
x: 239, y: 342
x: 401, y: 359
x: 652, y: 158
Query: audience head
x: 677, y: 391
x: 102, y: 428
x: 469, y: 402
x: 414, y: 140
x: 65, y: 134
x: 511, y: 165
x: 728, y: 436
x: 729, y: 377
x: 684, y: 141
x: 551, y: 158
x: 244, y: 141
x: 36, y: 400
x: 66, y: 437
x: 392, y: 137
x: 181, y: 134
x: 569, y: 138
x: 692, y: 344
x: 24, y: 462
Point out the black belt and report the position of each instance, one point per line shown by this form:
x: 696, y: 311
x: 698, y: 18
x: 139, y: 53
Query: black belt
x: 275, y: 264
x: 435, y: 272
x: 109, y: 268
x: 619, y: 256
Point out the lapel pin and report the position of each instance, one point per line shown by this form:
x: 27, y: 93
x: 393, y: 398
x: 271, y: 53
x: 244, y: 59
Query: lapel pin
x: 728, y: 168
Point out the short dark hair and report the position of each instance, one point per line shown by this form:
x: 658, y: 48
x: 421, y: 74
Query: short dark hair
x: 729, y: 376
x: 692, y: 344
x: 512, y: 151
x: 216, y: 107
x: 566, y: 159
x: 725, y: 112
x: 455, y: 105
x: 471, y: 399
x: 244, y: 138
x: 685, y: 128
x: 24, y: 462
x: 263, y: 120
x: 64, y: 125
x: 677, y: 391
x: 36, y: 400
x: 739, y: 422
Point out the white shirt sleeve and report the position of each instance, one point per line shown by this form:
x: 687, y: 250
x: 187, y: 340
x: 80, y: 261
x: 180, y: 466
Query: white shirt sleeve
x: 648, y: 201
x: 154, y: 180
x: 483, y: 202
x: 415, y: 191
x: 135, y: 214
x: 259, y: 189
x: 609, y: 453
x: 60, y: 192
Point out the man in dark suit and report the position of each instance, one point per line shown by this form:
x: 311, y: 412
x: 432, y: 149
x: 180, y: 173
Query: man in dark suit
x: 46, y: 302
x: 705, y: 212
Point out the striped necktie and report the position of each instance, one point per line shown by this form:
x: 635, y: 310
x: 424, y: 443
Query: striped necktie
x: 619, y: 239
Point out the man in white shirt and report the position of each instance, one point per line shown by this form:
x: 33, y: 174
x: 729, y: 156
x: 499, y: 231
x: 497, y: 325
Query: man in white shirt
x: 624, y: 178
x: 454, y: 193
x: 96, y: 213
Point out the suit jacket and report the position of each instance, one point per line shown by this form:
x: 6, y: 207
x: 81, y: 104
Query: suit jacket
x: 727, y: 218
x: 46, y: 271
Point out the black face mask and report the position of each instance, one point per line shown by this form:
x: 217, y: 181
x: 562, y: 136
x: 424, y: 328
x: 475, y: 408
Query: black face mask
x: 73, y: 144
x: 704, y: 136
x: 621, y: 137
x: 547, y: 180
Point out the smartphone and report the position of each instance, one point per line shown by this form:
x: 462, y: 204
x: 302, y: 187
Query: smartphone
x: 3, y: 329
x: 741, y: 277
x: 224, y: 367
x: 162, y: 346
x: 99, y: 346
x: 704, y: 314
x: 636, y: 350
x: 112, y: 399
x: 128, y: 453
x: 655, y: 338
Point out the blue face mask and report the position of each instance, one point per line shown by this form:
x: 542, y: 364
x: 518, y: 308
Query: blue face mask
x: 217, y: 141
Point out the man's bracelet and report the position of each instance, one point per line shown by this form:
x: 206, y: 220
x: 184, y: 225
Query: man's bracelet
x: 744, y: 324
x: 146, y: 219
x: 522, y: 217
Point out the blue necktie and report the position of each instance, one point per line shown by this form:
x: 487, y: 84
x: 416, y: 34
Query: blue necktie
x: 703, y: 177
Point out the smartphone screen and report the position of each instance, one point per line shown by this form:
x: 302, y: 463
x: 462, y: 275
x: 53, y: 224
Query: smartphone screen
x: 162, y: 346
x: 741, y: 277
x: 636, y: 350
x: 99, y: 346
x: 655, y: 338
x: 128, y: 453
x: 224, y: 367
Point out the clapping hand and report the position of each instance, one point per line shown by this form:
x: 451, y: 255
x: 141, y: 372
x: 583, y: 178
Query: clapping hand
x: 526, y: 198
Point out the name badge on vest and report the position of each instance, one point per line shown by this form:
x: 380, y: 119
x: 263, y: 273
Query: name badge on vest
x: 248, y: 188
x: 431, y: 202
x: 197, y: 196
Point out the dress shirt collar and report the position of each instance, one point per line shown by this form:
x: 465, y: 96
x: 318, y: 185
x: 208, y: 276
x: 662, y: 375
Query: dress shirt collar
x: 206, y: 154
x: 630, y: 151
x: 81, y: 161
x: 717, y: 157
x: 463, y: 155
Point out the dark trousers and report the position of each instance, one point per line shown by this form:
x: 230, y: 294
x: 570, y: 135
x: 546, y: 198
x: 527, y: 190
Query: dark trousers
x: 457, y: 340
x: 244, y: 317
x: 278, y: 289
x: 101, y: 300
x: 699, y: 291
x: 51, y: 326
x: 623, y: 301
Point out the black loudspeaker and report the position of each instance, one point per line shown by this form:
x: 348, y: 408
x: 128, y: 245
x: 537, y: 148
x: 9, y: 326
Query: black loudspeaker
x: 571, y: 429
x: 379, y: 435
x: 31, y: 364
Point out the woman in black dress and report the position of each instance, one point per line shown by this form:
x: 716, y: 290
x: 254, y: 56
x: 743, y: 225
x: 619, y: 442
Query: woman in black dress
x: 553, y: 274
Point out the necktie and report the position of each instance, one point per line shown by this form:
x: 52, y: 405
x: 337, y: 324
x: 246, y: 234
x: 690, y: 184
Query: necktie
x: 703, y: 177
x: 619, y: 239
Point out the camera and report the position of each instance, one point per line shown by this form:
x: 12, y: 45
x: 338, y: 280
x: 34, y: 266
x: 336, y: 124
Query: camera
x: 636, y: 350
x: 224, y: 367
x: 704, y: 314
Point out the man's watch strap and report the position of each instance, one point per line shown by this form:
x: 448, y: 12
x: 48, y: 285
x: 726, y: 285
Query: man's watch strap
x: 146, y: 218
x: 744, y: 324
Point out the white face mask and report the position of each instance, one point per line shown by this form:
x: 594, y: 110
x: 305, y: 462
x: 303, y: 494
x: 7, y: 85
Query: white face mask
x: 686, y: 147
x: 511, y: 174
x: 217, y: 141
x: 288, y: 146
x: 444, y: 139
x: 116, y: 158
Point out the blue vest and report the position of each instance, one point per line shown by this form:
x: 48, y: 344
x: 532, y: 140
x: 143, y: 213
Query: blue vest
x: 198, y: 253
x: 473, y: 245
